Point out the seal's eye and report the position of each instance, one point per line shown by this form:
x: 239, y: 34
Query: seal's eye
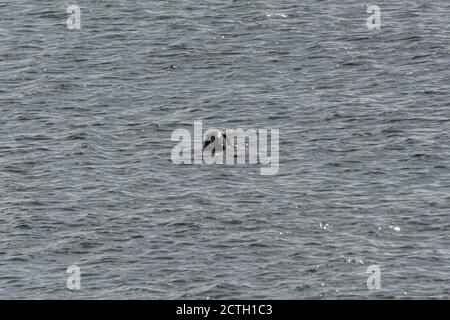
x: 225, y: 136
x: 213, y: 138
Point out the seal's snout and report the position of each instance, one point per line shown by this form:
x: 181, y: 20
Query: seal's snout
x: 208, y: 141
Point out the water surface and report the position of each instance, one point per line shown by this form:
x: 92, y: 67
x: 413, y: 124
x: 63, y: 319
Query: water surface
x: 85, y: 127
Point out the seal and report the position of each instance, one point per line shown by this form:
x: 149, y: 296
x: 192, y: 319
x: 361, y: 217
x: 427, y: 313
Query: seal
x: 215, y: 141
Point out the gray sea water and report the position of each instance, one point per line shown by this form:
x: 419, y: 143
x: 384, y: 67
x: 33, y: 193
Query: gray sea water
x: 86, y: 118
